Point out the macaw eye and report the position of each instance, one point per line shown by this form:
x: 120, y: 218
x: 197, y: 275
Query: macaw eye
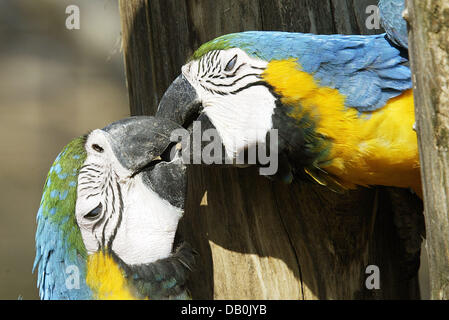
x: 97, y: 148
x: 231, y: 64
x: 94, y: 213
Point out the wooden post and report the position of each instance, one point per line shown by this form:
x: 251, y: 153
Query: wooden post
x: 429, y: 48
x: 258, y: 239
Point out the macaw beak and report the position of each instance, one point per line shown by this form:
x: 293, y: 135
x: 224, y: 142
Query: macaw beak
x: 136, y: 141
x: 142, y: 145
x: 180, y: 103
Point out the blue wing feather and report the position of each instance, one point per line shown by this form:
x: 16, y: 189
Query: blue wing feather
x: 52, y: 260
x: 53, y: 254
x: 392, y: 21
x: 368, y: 70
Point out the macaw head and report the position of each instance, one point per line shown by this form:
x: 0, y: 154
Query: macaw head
x: 227, y: 84
x: 223, y: 80
x: 109, y: 213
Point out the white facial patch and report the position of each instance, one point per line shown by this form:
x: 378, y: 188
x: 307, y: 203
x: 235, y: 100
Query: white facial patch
x: 117, y: 211
x: 148, y: 228
x: 234, y: 97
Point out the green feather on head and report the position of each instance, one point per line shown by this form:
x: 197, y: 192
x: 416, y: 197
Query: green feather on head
x: 60, y: 193
x: 220, y: 43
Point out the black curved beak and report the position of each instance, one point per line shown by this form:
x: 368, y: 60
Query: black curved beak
x: 143, y: 144
x: 136, y: 141
x: 180, y: 103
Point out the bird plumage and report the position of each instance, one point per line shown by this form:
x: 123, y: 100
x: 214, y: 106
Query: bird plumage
x: 342, y: 104
x: 59, y: 245
x: 361, y: 148
x: 391, y: 18
x: 108, y: 216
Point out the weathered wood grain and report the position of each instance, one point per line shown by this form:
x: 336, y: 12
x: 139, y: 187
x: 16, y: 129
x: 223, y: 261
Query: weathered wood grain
x: 429, y: 48
x: 138, y: 70
x: 259, y: 239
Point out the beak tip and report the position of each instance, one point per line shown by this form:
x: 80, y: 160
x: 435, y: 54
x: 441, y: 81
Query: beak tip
x: 180, y: 102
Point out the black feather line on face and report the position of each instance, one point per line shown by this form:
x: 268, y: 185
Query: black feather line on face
x: 234, y: 82
x: 120, y: 212
x: 162, y: 279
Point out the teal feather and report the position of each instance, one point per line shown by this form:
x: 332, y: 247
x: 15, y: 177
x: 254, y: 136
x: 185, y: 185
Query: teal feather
x: 58, y: 240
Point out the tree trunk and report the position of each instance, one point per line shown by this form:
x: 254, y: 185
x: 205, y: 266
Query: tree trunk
x: 259, y: 239
x: 429, y: 48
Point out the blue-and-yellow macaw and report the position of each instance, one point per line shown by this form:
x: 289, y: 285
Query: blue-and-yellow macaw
x: 109, y: 213
x: 342, y: 104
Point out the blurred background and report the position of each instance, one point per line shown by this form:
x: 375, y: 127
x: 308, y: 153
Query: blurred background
x: 55, y: 84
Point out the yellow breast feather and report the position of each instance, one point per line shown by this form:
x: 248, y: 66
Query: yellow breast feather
x: 106, y: 278
x: 374, y: 148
